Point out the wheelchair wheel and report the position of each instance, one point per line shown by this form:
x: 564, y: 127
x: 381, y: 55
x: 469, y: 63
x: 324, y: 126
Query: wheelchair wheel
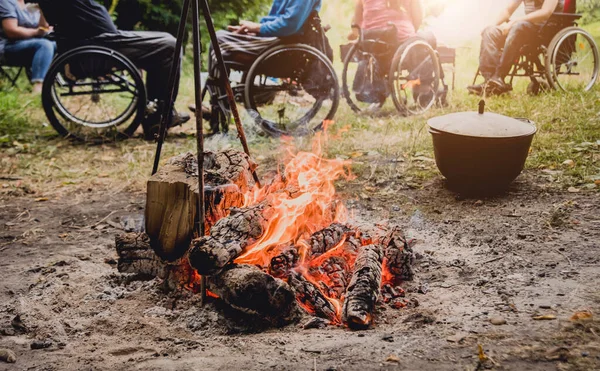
x: 415, y: 77
x: 291, y: 90
x: 572, y: 61
x: 94, y: 94
x: 350, y: 78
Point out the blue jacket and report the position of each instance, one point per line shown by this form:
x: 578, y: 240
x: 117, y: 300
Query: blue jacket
x: 287, y: 17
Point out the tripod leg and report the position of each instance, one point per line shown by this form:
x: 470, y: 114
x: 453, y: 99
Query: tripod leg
x: 221, y: 65
x: 167, y: 111
x: 201, y: 227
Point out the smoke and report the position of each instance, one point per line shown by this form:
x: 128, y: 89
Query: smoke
x: 457, y: 22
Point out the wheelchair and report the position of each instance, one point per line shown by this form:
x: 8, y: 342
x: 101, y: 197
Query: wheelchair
x: 291, y: 89
x: 564, y: 56
x: 411, y: 73
x: 94, y: 94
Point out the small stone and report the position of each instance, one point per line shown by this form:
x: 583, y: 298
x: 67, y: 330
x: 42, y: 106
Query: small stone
x: 41, y: 344
x: 478, y: 203
x: 388, y: 337
x: 545, y: 306
x: 8, y: 356
x: 498, y: 321
x: 393, y: 358
x: 457, y: 338
x: 585, y: 354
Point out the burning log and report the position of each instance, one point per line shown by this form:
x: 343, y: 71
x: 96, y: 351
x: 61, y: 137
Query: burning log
x: 311, y: 298
x: 281, y: 265
x: 328, y: 238
x: 136, y: 256
x: 334, y: 270
x: 172, y: 198
x: 228, y: 239
x: 364, y: 288
x: 247, y: 288
x: 399, y: 256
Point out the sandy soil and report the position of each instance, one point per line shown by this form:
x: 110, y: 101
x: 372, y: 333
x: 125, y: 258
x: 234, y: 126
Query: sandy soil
x: 532, y: 252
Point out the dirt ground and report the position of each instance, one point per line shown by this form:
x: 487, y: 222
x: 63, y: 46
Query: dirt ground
x: 532, y: 253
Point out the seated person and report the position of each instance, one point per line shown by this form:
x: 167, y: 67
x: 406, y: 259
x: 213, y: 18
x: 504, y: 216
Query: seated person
x: 22, y: 40
x: 406, y: 16
x: 85, y: 22
x: 501, y: 43
x: 244, y: 43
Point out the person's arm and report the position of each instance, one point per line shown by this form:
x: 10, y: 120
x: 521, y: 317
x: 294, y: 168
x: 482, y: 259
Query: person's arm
x: 43, y: 22
x: 357, y: 20
x: 13, y: 31
x: 507, y: 12
x: 541, y: 15
x: 416, y: 13
x: 290, y: 23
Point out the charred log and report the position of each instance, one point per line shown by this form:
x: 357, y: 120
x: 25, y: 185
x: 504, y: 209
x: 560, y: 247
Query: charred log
x: 399, y: 256
x: 281, y: 265
x: 228, y: 239
x: 247, y: 288
x: 364, y: 288
x: 136, y: 256
x: 328, y: 238
x: 172, y: 197
x: 333, y: 276
x: 311, y: 298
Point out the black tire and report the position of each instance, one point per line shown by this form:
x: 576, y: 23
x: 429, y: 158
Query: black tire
x: 307, y: 122
x: 94, y: 67
x: 401, y: 58
x: 560, y: 53
x: 346, y: 91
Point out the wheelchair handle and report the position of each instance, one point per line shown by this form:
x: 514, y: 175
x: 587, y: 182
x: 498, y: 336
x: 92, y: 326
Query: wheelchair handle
x: 360, y: 31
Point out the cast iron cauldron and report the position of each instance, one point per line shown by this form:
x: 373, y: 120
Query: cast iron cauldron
x: 481, y: 152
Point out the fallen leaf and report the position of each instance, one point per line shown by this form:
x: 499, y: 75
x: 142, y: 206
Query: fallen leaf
x: 569, y: 163
x: 545, y: 317
x: 41, y: 199
x: 597, y: 182
x: 356, y: 154
x: 573, y: 190
x: 393, y: 358
x: 481, y: 353
x: 583, y: 315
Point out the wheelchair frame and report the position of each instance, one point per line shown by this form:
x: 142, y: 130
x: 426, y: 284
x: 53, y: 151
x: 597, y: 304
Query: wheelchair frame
x: 533, y: 58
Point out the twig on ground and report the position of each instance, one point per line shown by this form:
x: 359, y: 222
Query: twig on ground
x: 564, y: 256
x: 494, y: 260
x: 99, y: 222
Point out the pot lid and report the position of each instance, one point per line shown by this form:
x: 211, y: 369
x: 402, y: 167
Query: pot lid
x: 480, y: 124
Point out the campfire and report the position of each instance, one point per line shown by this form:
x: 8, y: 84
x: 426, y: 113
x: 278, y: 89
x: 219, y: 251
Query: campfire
x: 270, y: 251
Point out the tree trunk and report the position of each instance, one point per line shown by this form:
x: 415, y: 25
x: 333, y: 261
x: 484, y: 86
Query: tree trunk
x: 172, y: 197
x: 364, y: 288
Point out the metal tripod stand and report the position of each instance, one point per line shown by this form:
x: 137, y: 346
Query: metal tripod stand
x: 167, y: 108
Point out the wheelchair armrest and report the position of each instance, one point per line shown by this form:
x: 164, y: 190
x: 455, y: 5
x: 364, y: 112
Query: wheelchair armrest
x: 572, y: 17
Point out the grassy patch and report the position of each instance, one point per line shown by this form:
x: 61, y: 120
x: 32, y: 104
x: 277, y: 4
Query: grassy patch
x: 566, y: 149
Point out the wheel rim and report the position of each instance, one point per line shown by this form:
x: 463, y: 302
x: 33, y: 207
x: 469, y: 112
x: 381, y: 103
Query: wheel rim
x: 574, y: 62
x: 351, y: 79
x: 95, y: 96
x: 415, y: 78
x: 291, y: 98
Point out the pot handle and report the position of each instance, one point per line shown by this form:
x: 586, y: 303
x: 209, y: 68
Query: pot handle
x: 481, y: 106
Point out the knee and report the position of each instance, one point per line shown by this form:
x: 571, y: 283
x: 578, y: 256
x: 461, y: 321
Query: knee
x: 491, y: 33
x: 519, y: 28
x: 169, y: 41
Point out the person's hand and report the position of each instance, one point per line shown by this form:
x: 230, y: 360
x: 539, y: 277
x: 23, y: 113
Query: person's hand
x: 353, y: 35
x: 246, y: 27
x: 42, y: 31
x: 505, y: 27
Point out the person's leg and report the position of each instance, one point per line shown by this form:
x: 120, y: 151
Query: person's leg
x: 521, y: 33
x: 35, y: 53
x: 492, y: 42
x: 154, y: 53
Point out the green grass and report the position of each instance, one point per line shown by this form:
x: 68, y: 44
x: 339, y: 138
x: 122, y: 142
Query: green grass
x: 381, y: 148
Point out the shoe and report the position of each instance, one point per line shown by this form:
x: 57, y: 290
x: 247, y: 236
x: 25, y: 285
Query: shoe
x: 498, y: 86
x: 206, y: 111
x: 476, y: 89
x: 179, y: 118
